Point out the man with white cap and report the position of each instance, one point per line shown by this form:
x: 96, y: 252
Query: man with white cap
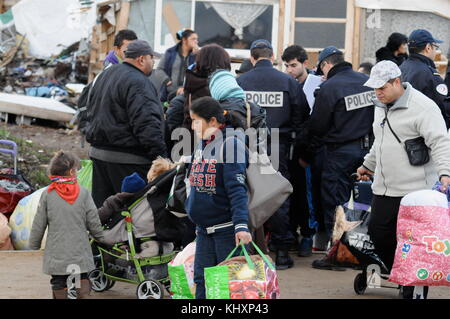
x: 402, y: 114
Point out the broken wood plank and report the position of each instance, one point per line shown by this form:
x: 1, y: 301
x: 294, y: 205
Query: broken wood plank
x: 37, y: 107
x: 124, y: 14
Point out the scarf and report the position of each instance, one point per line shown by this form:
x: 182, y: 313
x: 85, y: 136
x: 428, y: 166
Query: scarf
x: 66, y: 187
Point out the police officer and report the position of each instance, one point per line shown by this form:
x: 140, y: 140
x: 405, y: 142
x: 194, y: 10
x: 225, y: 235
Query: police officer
x: 342, y: 116
x: 420, y: 71
x: 278, y: 94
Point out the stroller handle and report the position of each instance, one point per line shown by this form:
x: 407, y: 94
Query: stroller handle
x: 11, y: 151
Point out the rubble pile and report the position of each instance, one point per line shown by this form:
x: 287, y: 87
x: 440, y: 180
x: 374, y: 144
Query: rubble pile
x: 50, y: 78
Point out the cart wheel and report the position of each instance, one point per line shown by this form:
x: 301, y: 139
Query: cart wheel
x: 111, y: 284
x: 150, y: 289
x: 360, y: 284
x: 400, y: 292
x: 99, y: 281
x: 167, y: 286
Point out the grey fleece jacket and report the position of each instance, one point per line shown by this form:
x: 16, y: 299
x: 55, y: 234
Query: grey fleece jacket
x: 67, y: 238
x: 412, y: 115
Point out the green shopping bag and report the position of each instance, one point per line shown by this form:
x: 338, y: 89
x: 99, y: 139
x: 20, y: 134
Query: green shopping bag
x: 181, y: 273
x: 179, y: 286
x: 85, y: 174
x: 242, y: 277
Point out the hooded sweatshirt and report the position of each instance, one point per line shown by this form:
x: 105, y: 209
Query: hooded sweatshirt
x: 218, y: 187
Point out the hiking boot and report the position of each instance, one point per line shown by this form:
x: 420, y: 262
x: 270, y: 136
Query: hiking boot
x: 293, y: 247
x: 305, y: 247
x: 85, y: 289
x: 283, y: 260
x: 326, y: 264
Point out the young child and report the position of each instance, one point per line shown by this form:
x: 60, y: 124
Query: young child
x: 218, y: 201
x: 69, y: 212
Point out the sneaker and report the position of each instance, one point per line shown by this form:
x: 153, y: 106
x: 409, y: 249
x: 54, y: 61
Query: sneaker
x: 326, y: 264
x: 305, y: 247
x: 283, y: 260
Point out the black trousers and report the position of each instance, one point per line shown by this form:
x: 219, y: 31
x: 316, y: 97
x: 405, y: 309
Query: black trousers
x: 107, y: 178
x: 299, y: 209
x: 383, y: 227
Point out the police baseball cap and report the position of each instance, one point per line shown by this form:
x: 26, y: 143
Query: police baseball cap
x: 325, y: 53
x: 246, y: 66
x: 139, y: 48
x: 261, y: 44
x: 381, y: 73
x: 421, y: 37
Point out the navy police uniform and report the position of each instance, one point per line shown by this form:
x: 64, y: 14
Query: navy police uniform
x: 278, y: 93
x: 420, y: 71
x: 342, y: 116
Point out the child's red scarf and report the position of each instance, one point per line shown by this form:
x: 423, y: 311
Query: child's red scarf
x: 66, y: 187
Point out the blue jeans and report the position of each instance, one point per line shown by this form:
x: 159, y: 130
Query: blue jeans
x: 210, y: 250
x: 340, y: 163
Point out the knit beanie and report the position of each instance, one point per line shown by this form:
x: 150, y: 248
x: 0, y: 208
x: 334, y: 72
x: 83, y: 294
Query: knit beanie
x: 133, y: 184
x: 223, y: 85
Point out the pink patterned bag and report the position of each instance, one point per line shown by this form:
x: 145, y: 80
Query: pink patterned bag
x: 422, y: 257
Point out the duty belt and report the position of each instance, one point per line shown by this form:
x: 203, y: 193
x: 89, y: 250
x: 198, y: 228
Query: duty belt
x: 364, y: 142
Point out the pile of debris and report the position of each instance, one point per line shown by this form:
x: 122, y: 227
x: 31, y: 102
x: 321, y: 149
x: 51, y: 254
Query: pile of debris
x: 61, y: 78
x: 50, y: 65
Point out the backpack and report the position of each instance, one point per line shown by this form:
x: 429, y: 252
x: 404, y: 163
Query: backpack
x: 81, y: 116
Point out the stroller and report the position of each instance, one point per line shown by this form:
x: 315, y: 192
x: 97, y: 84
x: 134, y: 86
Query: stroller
x: 359, y: 243
x: 13, y: 186
x: 117, y: 257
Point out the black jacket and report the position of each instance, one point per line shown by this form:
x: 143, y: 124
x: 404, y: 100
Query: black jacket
x: 421, y: 73
x: 286, y: 114
x: 343, y: 110
x: 385, y: 54
x: 125, y: 114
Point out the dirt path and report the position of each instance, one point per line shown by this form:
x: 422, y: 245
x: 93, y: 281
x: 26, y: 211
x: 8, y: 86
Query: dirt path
x: 49, y: 138
x: 21, y: 278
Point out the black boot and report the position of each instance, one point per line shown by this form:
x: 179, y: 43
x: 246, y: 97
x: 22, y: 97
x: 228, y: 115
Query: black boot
x: 283, y: 260
x: 327, y: 264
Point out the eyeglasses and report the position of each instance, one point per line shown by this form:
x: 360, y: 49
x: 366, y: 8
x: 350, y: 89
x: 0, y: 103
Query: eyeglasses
x: 435, y: 46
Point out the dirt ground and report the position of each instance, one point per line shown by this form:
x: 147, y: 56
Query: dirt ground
x: 21, y: 271
x: 50, y: 138
x: 21, y: 278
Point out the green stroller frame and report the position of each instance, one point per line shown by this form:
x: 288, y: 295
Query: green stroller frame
x: 147, y: 288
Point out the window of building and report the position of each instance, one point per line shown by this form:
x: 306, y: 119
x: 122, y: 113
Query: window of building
x: 331, y: 22
x: 232, y: 24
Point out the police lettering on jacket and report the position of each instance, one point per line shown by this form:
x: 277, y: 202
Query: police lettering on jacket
x: 265, y: 99
x: 277, y: 92
x: 357, y: 101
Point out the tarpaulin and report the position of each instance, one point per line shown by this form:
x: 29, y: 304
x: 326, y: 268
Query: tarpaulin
x: 50, y: 26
